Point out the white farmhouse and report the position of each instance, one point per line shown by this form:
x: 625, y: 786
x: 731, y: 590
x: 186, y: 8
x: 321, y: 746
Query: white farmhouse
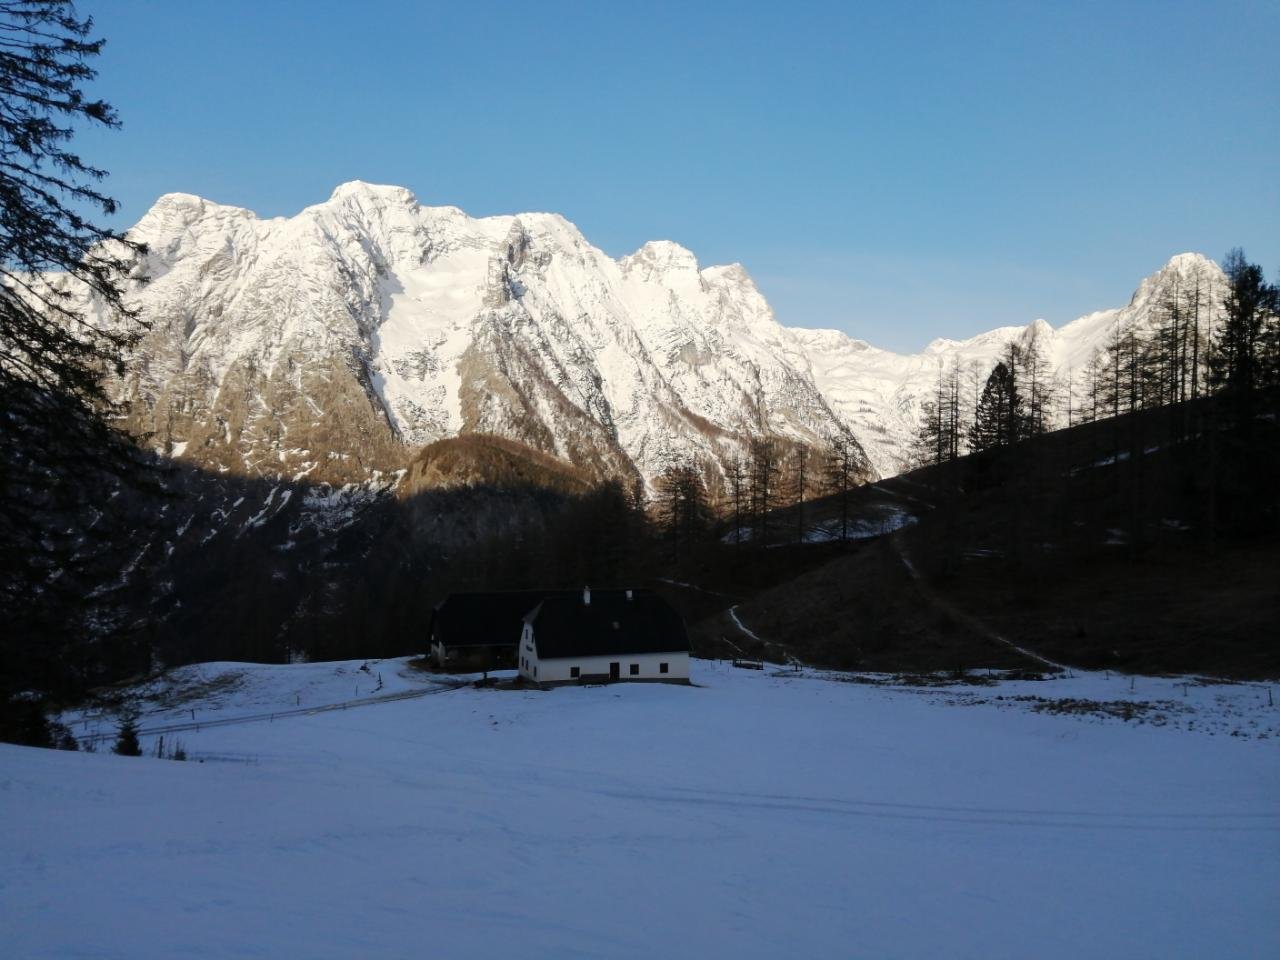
x: 607, y: 635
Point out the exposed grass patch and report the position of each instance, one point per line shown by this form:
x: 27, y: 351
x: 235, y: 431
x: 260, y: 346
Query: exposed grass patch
x: 1156, y: 712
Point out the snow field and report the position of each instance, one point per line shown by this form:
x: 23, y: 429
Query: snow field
x: 757, y: 815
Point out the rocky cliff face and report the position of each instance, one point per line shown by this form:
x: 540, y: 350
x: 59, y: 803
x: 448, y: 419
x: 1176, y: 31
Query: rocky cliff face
x: 333, y: 344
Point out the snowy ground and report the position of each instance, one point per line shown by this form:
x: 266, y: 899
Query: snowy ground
x: 756, y: 815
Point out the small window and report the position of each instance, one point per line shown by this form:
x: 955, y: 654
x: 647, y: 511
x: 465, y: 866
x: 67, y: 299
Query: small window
x: 635, y: 669
x: 574, y: 672
x: 535, y: 671
x: 662, y: 668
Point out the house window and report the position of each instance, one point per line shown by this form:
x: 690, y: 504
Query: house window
x: 662, y: 668
x: 574, y: 672
x: 535, y: 671
x: 635, y: 669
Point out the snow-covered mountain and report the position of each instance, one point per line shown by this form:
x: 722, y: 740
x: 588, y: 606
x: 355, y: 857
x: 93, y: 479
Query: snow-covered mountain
x: 878, y: 394
x: 320, y: 345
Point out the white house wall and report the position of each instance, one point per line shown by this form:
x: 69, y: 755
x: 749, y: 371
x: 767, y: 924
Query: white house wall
x: 559, y: 669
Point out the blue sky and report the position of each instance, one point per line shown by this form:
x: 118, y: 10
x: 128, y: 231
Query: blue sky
x: 900, y: 172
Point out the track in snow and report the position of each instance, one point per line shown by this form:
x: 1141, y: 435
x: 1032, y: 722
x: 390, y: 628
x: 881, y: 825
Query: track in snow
x: 278, y: 714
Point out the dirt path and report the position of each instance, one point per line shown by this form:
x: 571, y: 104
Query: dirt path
x: 955, y: 613
x: 746, y: 631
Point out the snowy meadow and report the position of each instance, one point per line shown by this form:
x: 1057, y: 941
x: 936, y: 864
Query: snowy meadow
x: 752, y: 815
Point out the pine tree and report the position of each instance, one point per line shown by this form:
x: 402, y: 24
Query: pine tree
x: 127, y: 738
x: 50, y: 349
x: 57, y: 451
x: 999, y: 417
x: 1238, y: 362
x: 1269, y: 339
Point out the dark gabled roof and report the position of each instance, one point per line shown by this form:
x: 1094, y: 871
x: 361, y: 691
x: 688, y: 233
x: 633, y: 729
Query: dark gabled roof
x: 611, y: 625
x: 491, y: 619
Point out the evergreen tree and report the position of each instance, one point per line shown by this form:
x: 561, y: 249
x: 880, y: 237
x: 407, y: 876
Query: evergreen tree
x: 57, y: 453
x: 1234, y: 366
x: 1269, y: 340
x: 127, y: 738
x: 999, y: 417
x: 51, y: 351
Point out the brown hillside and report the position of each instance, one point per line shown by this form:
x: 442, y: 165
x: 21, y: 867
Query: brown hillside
x: 484, y: 460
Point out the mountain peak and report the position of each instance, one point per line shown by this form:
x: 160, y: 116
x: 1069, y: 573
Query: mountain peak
x: 174, y: 213
x: 1189, y: 260
x: 361, y: 190
x: 663, y: 255
x: 731, y: 272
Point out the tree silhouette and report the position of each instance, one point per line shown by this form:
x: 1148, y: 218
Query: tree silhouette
x: 57, y: 451
x: 127, y: 738
x: 999, y: 415
x: 50, y: 345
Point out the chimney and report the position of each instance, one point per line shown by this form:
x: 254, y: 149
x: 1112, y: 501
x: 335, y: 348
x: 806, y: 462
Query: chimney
x: 586, y: 596
x: 628, y: 594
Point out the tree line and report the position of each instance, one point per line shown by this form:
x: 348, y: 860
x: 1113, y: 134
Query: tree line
x: 762, y: 497
x: 1182, y: 357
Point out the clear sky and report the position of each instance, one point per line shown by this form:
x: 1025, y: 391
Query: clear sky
x: 897, y: 171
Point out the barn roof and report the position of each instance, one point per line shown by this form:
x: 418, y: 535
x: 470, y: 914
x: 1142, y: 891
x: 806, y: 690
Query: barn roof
x: 612, y: 624
x: 490, y: 619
